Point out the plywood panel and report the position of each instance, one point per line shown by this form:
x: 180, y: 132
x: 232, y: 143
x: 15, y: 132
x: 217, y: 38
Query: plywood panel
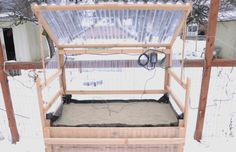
x: 110, y: 132
x: 115, y: 148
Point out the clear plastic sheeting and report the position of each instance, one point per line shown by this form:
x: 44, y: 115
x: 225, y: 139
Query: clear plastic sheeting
x: 113, y: 26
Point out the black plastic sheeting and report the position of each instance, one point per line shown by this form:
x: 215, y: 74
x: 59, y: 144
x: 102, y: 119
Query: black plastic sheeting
x: 67, y: 99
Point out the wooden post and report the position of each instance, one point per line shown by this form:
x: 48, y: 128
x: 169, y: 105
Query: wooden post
x: 42, y: 50
x: 61, y: 66
x: 211, y: 32
x: 45, y: 123
x: 8, y: 101
x: 167, y: 66
x: 187, y: 99
x: 183, y: 51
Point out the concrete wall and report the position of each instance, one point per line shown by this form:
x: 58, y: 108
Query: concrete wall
x: 27, y: 43
x: 226, y: 39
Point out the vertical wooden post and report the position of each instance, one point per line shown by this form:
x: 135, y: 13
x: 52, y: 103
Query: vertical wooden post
x: 167, y: 66
x: 183, y: 51
x: 61, y: 65
x: 7, y: 100
x: 45, y: 123
x: 211, y: 32
x: 42, y: 49
x: 187, y: 99
x: 40, y: 102
x: 181, y: 135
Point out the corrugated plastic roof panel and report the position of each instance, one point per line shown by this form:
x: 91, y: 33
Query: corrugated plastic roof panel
x: 113, y: 26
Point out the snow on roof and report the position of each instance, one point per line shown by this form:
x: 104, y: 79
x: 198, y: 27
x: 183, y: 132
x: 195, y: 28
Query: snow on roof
x: 227, y: 15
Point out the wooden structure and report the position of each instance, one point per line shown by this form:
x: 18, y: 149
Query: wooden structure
x: 207, y: 67
x: 171, y: 138
x: 7, y: 100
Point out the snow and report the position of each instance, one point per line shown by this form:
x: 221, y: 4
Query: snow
x: 220, y: 123
x: 228, y: 15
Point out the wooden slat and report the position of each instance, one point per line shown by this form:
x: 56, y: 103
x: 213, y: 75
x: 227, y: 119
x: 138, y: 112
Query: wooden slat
x: 223, y: 62
x: 111, y: 45
x: 177, y: 79
x: 109, y: 51
x: 51, y: 78
x: 120, y: 63
x: 22, y: 65
x: 42, y: 49
x: 40, y: 103
x: 52, y: 100
x: 115, y: 92
x: 113, y: 6
x: 183, y: 50
x: 60, y: 66
x: 176, y: 99
x: 167, y: 76
x: 180, y: 26
x: 187, y: 100
x: 46, y: 27
x: 113, y: 141
x: 8, y: 101
x: 211, y: 32
x: 115, y: 132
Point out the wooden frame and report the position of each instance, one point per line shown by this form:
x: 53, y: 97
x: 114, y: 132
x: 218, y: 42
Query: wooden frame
x: 108, y: 51
x: 7, y: 100
x: 114, y: 45
x: 114, y: 6
x: 211, y: 32
x: 112, y: 136
x: 84, y: 92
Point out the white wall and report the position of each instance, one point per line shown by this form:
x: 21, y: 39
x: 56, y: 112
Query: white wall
x: 226, y: 39
x: 3, y: 44
x: 27, y: 43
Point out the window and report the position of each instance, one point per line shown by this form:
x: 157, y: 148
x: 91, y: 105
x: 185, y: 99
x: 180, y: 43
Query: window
x: 9, y: 43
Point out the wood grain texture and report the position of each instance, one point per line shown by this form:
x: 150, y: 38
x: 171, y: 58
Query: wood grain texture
x: 211, y: 32
x: 8, y: 101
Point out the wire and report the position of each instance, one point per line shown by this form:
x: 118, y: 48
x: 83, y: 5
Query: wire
x: 34, y: 77
x: 149, y: 59
x: 146, y: 82
x: 16, y: 114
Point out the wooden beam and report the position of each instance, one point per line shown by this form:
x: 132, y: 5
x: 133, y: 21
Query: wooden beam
x: 115, y: 132
x: 177, y: 79
x: 180, y: 26
x: 113, y: 6
x: 22, y: 65
x: 111, y: 45
x: 7, y: 100
x: 47, y: 28
x: 224, y: 62
x: 42, y: 49
x: 84, y: 92
x: 167, y: 65
x: 113, y: 141
x: 194, y: 63
x: 51, y: 79
x: 52, y: 100
x: 109, y: 51
x: 40, y: 103
x: 178, y: 102
x: 211, y: 32
x: 61, y: 66
x: 183, y: 50
x: 187, y: 100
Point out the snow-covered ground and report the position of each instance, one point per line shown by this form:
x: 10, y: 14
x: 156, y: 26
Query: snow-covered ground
x: 220, y: 124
